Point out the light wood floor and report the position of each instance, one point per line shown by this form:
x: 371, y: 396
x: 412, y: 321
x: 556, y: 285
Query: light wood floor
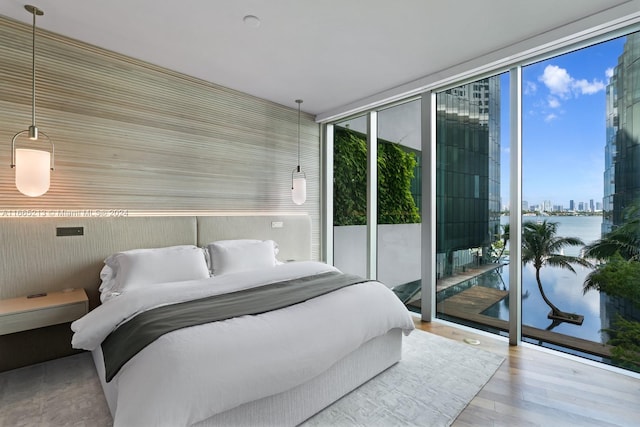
x: 536, y: 388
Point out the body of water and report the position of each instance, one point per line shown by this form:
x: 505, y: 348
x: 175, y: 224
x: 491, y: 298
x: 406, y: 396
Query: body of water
x: 561, y: 286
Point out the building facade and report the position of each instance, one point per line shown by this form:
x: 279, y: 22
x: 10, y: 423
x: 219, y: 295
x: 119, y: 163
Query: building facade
x: 622, y: 149
x: 468, y: 174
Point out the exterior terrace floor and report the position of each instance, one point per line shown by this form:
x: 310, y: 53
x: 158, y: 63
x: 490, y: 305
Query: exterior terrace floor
x: 468, y: 305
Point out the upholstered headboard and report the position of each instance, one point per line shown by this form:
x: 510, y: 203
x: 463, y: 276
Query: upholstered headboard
x: 292, y: 233
x: 51, y: 254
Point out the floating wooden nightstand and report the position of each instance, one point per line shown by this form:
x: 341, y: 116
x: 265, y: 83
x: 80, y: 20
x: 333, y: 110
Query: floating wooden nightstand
x: 21, y: 314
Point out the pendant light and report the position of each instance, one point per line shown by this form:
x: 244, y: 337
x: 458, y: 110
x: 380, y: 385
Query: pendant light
x: 33, y: 166
x: 298, y: 177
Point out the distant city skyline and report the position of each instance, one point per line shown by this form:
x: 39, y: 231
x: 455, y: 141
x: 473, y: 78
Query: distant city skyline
x: 590, y: 205
x: 564, y: 126
x: 597, y: 203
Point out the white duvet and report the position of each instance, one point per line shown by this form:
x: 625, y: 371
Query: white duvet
x: 191, y: 374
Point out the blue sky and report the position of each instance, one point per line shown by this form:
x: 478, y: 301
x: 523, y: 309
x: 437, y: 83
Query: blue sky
x: 563, y: 126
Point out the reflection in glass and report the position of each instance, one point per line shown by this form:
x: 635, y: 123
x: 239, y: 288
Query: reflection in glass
x: 470, y: 241
x: 581, y: 171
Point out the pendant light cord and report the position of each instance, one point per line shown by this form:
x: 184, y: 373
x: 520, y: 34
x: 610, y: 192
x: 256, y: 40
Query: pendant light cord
x: 33, y: 132
x: 33, y: 71
x: 299, y: 101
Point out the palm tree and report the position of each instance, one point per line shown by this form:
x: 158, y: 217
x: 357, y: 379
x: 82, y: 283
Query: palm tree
x: 620, y: 245
x: 623, y: 240
x: 541, y: 246
x: 619, y: 277
x: 505, y: 239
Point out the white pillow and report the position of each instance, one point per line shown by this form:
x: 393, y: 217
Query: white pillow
x: 242, y: 242
x: 108, y: 283
x: 230, y: 256
x: 142, y: 267
x: 227, y: 243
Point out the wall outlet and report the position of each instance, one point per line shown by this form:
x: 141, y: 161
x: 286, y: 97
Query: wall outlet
x: 69, y: 231
x: 277, y: 224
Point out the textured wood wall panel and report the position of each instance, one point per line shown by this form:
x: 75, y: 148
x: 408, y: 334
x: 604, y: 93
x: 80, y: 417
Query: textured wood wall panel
x: 133, y: 136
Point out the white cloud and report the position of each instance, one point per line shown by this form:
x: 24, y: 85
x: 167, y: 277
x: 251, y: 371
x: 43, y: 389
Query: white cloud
x: 530, y: 88
x: 561, y: 84
x: 609, y: 73
x: 588, y: 88
x: 557, y: 80
x: 553, y: 102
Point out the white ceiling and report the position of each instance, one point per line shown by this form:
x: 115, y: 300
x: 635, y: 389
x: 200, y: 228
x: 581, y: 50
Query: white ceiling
x: 333, y: 54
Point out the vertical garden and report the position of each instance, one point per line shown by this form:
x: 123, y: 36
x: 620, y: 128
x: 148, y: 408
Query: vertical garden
x: 398, y: 181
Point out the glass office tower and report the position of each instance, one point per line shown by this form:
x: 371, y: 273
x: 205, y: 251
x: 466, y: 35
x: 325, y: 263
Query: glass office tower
x: 468, y: 174
x: 622, y: 150
x: 622, y: 157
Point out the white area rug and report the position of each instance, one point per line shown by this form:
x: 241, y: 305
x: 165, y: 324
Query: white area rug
x: 433, y: 383
x: 435, y: 380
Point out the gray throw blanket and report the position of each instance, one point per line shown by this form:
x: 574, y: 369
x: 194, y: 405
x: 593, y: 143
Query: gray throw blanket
x: 138, y: 332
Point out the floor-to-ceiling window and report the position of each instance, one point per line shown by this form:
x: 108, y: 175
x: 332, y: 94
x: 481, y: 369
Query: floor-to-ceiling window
x: 399, y: 199
x: 350, y: 196
x: 574, y: 145
x: 581, y: 186
x: 394, y: 211
x: 471, y: 234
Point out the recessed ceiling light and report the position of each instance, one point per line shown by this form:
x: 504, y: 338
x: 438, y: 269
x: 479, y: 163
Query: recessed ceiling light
x: 252, y: 21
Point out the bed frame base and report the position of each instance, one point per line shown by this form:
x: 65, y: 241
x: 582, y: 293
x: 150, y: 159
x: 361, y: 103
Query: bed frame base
x: 294, y: 406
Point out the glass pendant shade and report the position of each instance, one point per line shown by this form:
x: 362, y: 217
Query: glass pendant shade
x: 299, y: 182
x: 299, y: 190
x: 33, y: 171
x: 33, y: 167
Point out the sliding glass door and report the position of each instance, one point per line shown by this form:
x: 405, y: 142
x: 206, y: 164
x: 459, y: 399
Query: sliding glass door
x: 350, y: 196
x: 399, y: 198
x: 377, y: 195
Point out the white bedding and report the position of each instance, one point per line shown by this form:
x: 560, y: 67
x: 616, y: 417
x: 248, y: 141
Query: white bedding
x: 188, y: 375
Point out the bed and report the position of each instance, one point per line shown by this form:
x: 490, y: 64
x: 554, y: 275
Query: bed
x: 252, y: 367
